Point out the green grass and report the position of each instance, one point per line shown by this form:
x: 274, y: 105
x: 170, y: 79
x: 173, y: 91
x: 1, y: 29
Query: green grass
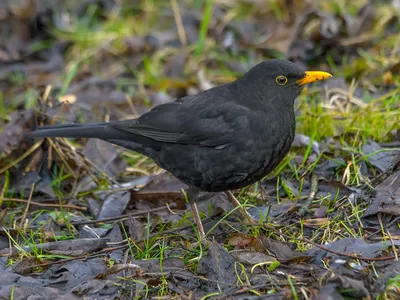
x: 392, y: 289
x: 376, y: 121
x: 204, y: 27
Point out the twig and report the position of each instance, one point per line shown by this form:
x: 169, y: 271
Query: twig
x: 178, y: 21
x: 311, y: 195
x: 3, y: 214
x: 121, y: 217
x: 62, y: 157
x: 3, y: 191
x: 22, y: 157
x: 239, y: 206
x: 384, y: 258
x: 27, y: 206
x: 197, y: 219
x: 393, y: 246
x: 395, y: 220
x: 83, y: 208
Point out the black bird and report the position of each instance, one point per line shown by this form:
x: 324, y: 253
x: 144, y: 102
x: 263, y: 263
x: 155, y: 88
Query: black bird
x: 224, y: 138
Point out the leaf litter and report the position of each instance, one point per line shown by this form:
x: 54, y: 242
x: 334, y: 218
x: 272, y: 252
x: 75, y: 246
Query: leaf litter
x: 87, y: 219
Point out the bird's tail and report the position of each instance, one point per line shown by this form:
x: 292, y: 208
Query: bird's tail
x: 95, y: 130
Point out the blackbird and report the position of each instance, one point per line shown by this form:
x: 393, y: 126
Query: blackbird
x: 224, y: 138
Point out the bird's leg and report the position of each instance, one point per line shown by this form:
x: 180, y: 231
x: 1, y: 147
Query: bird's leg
x: 192, y: 194
x: 237, y: 204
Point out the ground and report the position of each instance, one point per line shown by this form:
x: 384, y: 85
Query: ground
x: 82, y: 219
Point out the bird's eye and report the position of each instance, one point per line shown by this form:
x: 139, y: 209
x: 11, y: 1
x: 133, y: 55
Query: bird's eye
x: 281, y: 80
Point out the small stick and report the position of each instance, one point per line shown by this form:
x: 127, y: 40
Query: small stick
x: 384, y: 258
x: 83, y: 208
x: 178, y: 21
x: 121, y: 217
x: 22, y: 157
x: 311, y: 196
x: 393, y: 246
x: 237, y: 204
x: 197, y: 219
x: 27, y: 206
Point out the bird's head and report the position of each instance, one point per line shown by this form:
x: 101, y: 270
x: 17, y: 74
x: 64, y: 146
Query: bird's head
x: 278, y: 82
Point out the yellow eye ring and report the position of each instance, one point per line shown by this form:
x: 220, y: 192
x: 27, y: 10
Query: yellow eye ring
x: 281, y: 80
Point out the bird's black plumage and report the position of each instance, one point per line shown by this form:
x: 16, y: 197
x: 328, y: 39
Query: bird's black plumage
x: 224, y: 138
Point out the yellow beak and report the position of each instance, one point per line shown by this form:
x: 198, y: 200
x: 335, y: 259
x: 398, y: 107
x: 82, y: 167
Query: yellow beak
x: 312, y: 76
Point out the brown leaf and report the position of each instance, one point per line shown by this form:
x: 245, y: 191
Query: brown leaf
x: 387, y: 199
x: 246, y: 241
x: 356, y: 246
x: 114, y: 204
x: 251, y: 257
x: 75, y: 247
x: 105, y: 156
x: 218, y: 265
x: 162, y: 189
x: 382, y: 160
x: 281, y: 249
x: 12, y: 136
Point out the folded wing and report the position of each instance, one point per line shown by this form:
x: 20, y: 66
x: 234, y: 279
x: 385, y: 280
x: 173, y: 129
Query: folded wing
x: 202, y: 123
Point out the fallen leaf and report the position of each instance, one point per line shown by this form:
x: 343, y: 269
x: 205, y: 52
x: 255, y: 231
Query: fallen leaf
x: 218, y: 265
x: 387, y: 197
x: 12, y: 138
x: 246, y: 241
x: 105, y: 157
x: 252, y: 258
x: 380, y: 158
x: 162, y: 189
x: 114, y: 204
x: 354, y: 246
x: 75, y: 247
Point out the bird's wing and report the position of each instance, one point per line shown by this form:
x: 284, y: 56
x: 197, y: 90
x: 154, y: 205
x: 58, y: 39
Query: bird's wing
x: 198, y: 122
